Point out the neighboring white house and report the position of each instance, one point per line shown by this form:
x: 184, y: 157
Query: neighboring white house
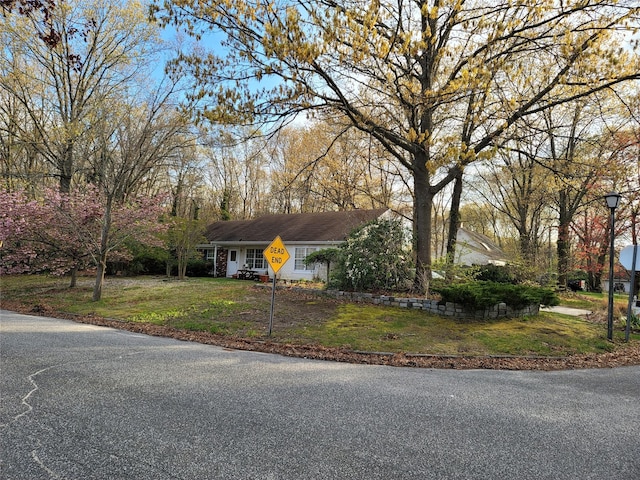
x: 621, y: 281
x: 235, y: 247
x: 476, y: 249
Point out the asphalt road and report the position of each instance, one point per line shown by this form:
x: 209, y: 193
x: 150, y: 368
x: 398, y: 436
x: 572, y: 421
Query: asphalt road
x: 85, y: 402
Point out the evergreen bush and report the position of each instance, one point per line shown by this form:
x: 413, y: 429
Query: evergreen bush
x: 482, y: 294
x: 495, y: 273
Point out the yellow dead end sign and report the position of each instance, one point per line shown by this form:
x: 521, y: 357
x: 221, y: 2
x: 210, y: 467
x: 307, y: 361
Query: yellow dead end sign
x: 276, y: 255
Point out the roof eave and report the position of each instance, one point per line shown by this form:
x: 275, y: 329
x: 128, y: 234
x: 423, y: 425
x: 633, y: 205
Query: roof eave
x: 241, y: 243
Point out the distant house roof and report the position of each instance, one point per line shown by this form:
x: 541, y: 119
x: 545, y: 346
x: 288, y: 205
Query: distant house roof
x: 297, y: 227
x: 482, y: 248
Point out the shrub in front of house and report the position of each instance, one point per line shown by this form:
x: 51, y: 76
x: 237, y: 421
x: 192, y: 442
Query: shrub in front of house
x: 195, y: 268
x: 148, y: 261
x: 199, y: 268
x: 374, y: 257
x: 480, y: 295
x: 495, y: 273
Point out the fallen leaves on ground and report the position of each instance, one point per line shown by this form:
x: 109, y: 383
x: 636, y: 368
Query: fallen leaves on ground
x: 625, y: 355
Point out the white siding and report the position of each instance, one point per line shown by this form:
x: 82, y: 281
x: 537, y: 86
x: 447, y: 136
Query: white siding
x: 289, y: 272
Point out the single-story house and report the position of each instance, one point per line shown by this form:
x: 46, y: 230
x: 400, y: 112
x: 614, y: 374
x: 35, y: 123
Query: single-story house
x: 235, y: 247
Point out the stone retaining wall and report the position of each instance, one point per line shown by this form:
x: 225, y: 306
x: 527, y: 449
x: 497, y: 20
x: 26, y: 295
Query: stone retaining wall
x: 449, y: 309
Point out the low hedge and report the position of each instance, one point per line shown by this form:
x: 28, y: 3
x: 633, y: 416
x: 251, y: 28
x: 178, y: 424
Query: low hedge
x: 482, y: 294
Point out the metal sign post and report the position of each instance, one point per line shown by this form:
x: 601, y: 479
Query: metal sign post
x: 630, y: 251
x: 273, y: 302
x: 277, y: 255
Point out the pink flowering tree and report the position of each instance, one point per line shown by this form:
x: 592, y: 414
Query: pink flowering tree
x: 62, y: 229
x: 47, y: 235
x: 63, y: 233
x: 16, y: 212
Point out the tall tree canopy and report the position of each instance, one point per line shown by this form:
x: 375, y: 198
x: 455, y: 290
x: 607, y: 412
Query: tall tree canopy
x: 436, y: 82
x: 52, y: 98
x: 40, y: 12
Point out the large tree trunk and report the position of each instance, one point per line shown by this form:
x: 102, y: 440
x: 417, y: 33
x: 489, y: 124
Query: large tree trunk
x: 422, y: 223
x: 595, y: 271
x: 65, y: 169
x: 454, y: 218
x: 526, y: 247
x: 596, y: 283
x: 563, y: 255
x: 563, y: 247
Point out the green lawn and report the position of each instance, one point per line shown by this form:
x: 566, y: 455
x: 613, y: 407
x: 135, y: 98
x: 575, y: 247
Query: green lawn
x: 587, y: 300
x: 374, y: 328
x: 233, y: 307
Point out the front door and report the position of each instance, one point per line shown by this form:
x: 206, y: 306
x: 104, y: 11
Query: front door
x: 232, y: 263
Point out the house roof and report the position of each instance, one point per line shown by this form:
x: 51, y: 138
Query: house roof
x: 481, y: 244
x: 297, y: 227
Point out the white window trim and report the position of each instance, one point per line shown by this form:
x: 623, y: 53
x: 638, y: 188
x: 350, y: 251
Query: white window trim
x: 308, y: 251
x: 259, y: 254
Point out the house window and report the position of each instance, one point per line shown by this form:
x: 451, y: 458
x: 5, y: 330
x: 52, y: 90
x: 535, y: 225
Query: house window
x: 211, y: 254
x: 300, y: 255
x: 255, y: 258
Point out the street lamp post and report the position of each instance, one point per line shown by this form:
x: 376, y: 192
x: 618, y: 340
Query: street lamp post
x: 613, y: 200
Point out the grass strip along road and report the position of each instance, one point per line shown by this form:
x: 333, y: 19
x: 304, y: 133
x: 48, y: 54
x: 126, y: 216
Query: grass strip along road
x: 235, y: 314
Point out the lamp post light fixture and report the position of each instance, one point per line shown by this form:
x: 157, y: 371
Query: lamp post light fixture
x: 613, y: 200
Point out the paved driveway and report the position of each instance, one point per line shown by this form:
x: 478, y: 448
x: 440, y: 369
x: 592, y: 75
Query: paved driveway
x: 85, y: 402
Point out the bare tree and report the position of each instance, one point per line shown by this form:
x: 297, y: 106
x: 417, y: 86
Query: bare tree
x: 133, y: 142
x: 102, y: 47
